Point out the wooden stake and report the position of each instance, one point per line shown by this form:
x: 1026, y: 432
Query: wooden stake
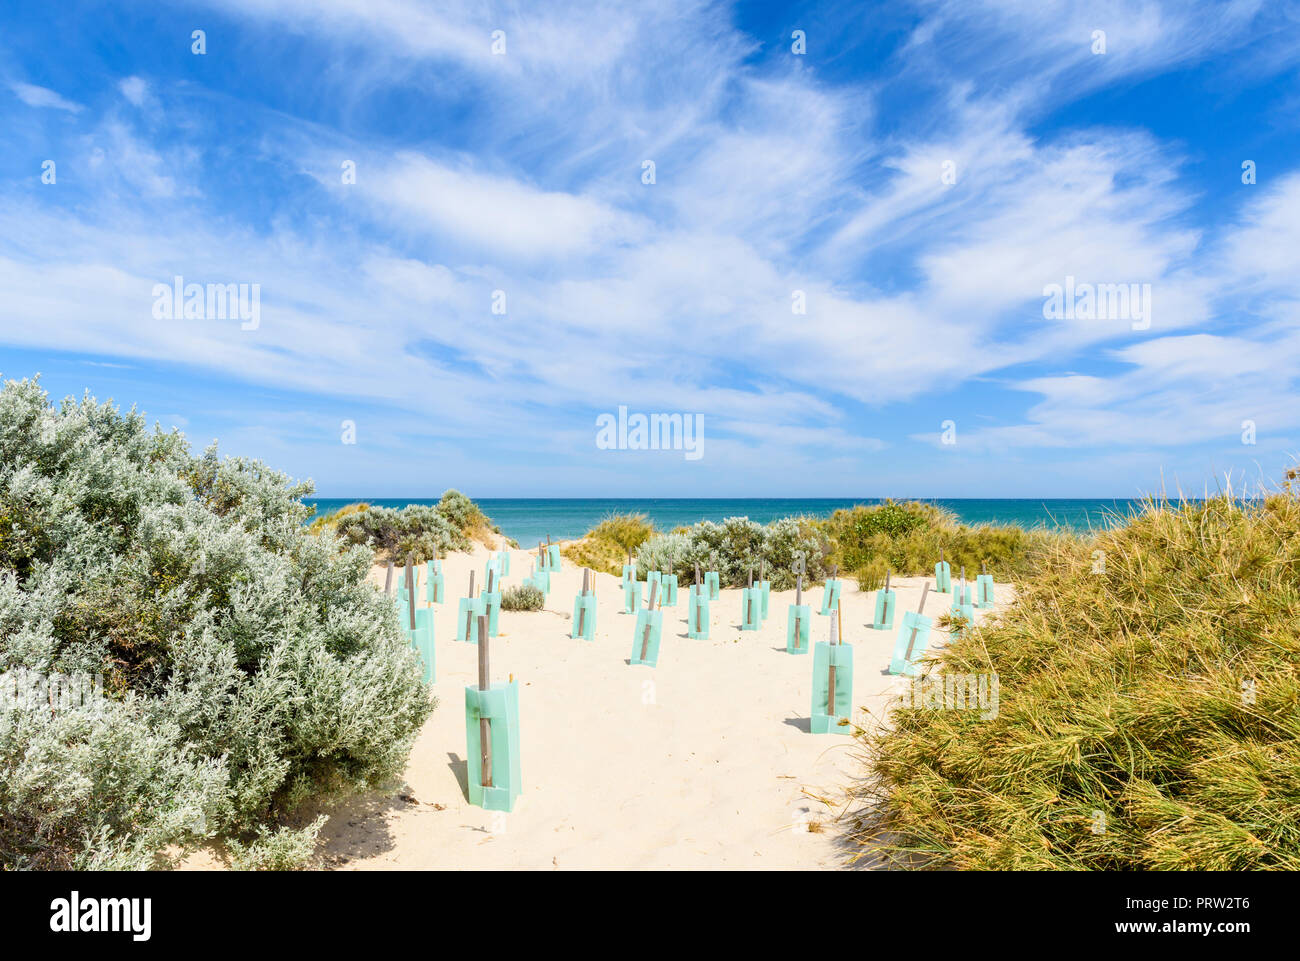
x: 697, y: 572
x: 884, y: 610
x: 798, y: 590
x: 471, y: 585
x: 919, y: 608
x: 582, y: 608
x: 645, y: 636
x: 484, y: 684
x: 830, y: 680
x: 410, y: 588
x: 749, y: 599
x: 491, y: 578
x: 388, y: 578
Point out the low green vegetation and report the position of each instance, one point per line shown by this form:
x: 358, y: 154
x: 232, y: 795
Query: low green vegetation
x: 1148, y: 715
x: 906, y: 538
x: 737, y: 547
x: 230, y: 665
x: 522, y: 597
x: 423, y: 530
x: 606, y: 546
x: 863, y: 541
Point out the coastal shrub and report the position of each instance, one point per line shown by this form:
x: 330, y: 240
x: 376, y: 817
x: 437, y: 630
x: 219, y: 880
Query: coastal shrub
x: 522, y: 597
x: 735, y: 547
x: 907, y: 537
x: 417, y: 529
x: 1148, y: 715
x: 242, y: 664
x: 605, y: 547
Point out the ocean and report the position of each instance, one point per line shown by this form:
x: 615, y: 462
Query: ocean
x: 529, y: 520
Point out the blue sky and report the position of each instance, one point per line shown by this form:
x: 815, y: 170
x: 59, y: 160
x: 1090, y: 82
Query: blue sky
x: 775, y: 172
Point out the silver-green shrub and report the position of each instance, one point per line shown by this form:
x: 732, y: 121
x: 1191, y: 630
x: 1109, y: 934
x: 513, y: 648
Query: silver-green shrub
x: 737, y: 546
x: 246, y: 665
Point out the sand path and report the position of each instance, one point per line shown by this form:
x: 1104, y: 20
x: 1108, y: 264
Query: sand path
x: 702, y: 762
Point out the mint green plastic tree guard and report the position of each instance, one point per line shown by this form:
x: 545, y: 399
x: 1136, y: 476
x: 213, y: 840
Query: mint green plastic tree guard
x: 421, y: 639
x: 942, y: 577
x: 435, y: 588
x: 584, y: 613
x: 963, y: 607
x: 800, y: 614
x: 492, y: 608
x: 553, y: 557
x: 652, y: 577
x: 500, y: 705
x: 655, y: 621
x: 540, y: 579
x: 629, y: 573
x: 824, y: 655
x: 901, y: 663
x: 467, y: 613
x: 697, y: 613
x: 504, y: 559
x: 712, y: 583
x: 490, y: 565
x: 984, y: 590
x: 751, y: 608
x: 668, y: 590
x: 831, y: 595
x: 886, y: 602
x: 631, y: 597
x: 766, y: 588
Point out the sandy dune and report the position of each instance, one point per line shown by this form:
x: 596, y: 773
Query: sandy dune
x: 702, y: 762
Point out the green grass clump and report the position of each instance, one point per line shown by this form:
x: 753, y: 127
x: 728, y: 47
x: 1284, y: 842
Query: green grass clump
x: 1148, y: 717
x: 522, y: 597
x: 906, y: 537
x: 605, y: 547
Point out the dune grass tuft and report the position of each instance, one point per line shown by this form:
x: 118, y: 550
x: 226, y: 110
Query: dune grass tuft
x: 605, y: 547
x: 1148, y: 717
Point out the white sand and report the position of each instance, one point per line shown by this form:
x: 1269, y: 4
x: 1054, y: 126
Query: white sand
x: 704, y: 761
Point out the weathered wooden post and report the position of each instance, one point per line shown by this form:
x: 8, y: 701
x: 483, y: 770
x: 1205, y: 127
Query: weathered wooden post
x: 942, y: 575
x: 750, y: 606
x: 667, y: 589
x: 388, y: 578
x: 832, y: 682
x: 467, y: 610
x: 913, y: 635
x: 491, y: 734
x: 648, y: 632
x: 886, y: 601
x: 831, y: 592
x: 984, y: 587
x: 963, y: 609
x: 764, y: 588
x: 584, y: 611
x: 435, y: 583
x: 492, y: 601
x: 697, y: 609
x: 418, y: 625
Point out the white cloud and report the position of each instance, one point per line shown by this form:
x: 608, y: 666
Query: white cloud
x: 40, y: 97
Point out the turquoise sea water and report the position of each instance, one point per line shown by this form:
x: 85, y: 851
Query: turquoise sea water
x: 529, y: 520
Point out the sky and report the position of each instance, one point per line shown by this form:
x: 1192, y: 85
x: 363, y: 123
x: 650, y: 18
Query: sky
x: 831, y: 231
